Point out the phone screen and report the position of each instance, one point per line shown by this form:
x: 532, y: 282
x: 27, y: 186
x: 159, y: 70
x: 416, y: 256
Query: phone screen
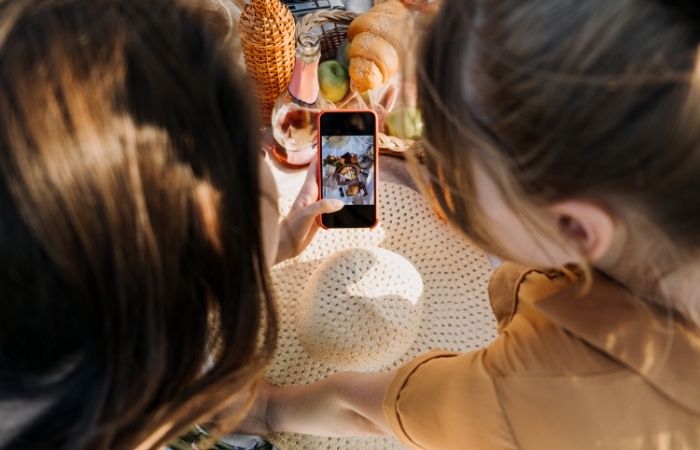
x: 348, y: 167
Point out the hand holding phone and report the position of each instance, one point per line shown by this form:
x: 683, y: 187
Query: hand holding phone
x: 300, y: 224
x: 347, y: 167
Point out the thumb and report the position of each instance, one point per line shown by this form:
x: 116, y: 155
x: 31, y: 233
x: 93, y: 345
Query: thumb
x: 325, y: 206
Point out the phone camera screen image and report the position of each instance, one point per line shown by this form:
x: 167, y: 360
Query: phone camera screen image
x: 348, y: 167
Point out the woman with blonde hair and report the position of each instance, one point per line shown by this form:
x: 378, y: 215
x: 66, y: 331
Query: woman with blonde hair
x: 563, y: 135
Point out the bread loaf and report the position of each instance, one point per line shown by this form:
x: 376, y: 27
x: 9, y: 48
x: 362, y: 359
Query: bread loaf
x: 365, y: 74
x: 376, y: 41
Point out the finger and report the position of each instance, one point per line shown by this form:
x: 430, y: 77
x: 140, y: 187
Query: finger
x: 306, y: 220
x: 311, y: 172
x: 310, y: 235
x: 300, y: 226
x: 309, y: 189
x: 325, y: 206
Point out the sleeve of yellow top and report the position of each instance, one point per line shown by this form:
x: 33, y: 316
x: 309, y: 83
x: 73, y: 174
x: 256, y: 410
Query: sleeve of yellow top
x: 448, y: 401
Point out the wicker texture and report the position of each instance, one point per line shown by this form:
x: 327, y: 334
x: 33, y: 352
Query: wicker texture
x: 333, y: 26
x: 370, y: 289
x: 268, y: 39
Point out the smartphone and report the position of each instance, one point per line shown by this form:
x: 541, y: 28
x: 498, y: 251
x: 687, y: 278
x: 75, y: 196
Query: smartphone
x: 347, y: 167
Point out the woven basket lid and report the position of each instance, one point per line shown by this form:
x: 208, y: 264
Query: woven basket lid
x: 268, y: 39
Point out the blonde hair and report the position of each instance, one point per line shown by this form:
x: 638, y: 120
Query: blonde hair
x: 568, y: 99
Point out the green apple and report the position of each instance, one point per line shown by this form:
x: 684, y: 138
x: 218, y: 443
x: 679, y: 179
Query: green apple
x: 333, y: 80
x: 405, y: 123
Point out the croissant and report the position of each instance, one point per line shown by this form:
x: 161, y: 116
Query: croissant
x: 376, y: 39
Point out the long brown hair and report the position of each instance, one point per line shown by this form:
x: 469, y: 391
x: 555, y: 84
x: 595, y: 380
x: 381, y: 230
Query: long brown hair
x: 112, y: 113
x: 596, y: 99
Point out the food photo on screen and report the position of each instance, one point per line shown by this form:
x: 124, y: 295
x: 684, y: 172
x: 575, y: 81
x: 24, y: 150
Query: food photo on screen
x: 348, y: 169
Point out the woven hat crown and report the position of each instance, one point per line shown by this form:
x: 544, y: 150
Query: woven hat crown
x: 361, y: 309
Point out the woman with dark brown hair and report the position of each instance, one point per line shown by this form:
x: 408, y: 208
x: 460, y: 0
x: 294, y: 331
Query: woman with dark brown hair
x: 563, y: 135
x: 137, y: 225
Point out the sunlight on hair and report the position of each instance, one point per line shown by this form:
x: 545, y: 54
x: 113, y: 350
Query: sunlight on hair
x: 159, y: 434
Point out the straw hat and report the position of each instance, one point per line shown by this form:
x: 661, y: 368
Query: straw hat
x: 370, y: 300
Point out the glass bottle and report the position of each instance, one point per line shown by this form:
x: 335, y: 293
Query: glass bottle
x: 296, y: 111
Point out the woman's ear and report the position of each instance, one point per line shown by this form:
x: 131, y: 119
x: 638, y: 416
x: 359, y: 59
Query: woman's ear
x: 587, y: 225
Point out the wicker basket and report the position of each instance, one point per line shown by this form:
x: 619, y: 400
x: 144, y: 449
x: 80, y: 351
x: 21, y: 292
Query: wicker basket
x: 332, y: 26
x: 269, y: 44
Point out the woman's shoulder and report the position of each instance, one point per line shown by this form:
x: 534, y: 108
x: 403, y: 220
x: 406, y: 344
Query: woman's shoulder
x: 511, y: 283
x: 559, y: 322
x: 580, y: 352
x: 531, y: 342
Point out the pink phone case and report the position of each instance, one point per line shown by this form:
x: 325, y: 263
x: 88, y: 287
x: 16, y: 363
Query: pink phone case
x: 319, y: 164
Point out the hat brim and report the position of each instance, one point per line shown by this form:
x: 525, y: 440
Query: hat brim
x: 456, y: 316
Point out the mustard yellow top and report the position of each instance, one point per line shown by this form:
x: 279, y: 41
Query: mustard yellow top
x: 568, y: 371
